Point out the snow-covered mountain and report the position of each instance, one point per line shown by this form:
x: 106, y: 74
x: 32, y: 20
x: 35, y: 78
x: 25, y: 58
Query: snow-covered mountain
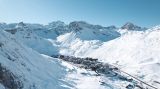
x: 32, y: 40
x: 26, y: 52
x: 7, y: 26
x: 82, y: 30
x: 133, y: 27
x: 136, y: 52
x: 23, y: 68
x: 86, y: 31
x: 42, y: 38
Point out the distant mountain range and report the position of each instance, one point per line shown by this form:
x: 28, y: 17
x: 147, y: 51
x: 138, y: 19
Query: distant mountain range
x: 26, y: 50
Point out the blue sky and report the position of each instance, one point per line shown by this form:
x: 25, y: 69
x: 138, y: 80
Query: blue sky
x: 103, y: 12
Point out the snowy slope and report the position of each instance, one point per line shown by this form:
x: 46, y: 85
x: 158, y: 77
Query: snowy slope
x: 32, y: 40
x: 132, y: 48
x: 71, y: 45
x: 84, y: 36
x: 1, y: 86
x: 42, y: 38
x: 136, y: 52
x: 30, y: 69
x: 86, y: 31
x: 49, y: 31
x: 83, y: 30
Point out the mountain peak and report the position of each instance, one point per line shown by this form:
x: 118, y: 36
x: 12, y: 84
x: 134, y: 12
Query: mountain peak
x: 111, y: 27
x: 56, y: 23
x: 131, y: 26
x: 129, y: 23
x: 21, y: 25
x: 79, y: 25
x: 76, y: 25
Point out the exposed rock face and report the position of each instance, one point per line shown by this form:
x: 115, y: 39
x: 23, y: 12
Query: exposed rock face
x: 9, y: 80
x: 111, y: 27
x: 80, y: 25
x: 12, y: 31
x: 20, y: 25
x: 131, y: 26
x: 58, y: 26
x: 75, y: 26
x: 1, y: 44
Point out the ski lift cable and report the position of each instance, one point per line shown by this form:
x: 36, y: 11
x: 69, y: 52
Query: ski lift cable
x: 136, y: 78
